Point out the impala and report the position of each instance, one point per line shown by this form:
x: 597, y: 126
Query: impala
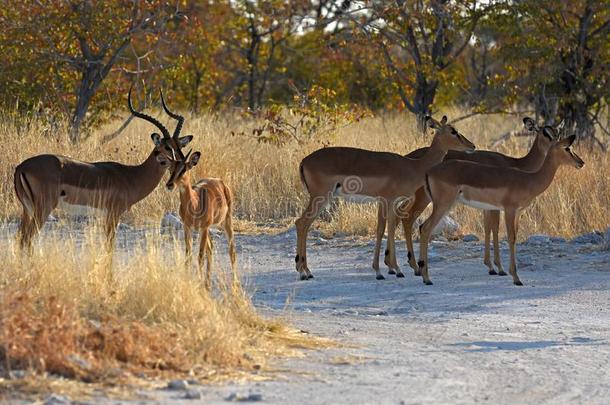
x: 492, y: 188
x: 357, y: 173
x: 209, y: 202
x: 491, y: 218
x: 44, y: 182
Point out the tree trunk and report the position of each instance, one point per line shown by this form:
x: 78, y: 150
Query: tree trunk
x: 252, y: 58
x: 85, y: 94
x: 425, y: 91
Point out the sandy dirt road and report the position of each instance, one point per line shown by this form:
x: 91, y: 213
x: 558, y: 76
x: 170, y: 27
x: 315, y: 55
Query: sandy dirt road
x: 469, y: 338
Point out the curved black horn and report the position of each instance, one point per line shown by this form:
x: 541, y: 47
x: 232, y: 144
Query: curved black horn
x: 147, y: 117
x: 175, y: 116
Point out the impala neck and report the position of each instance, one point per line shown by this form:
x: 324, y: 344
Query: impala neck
x: 435, y: 153
x: 535, y: 155
x: 146, y: 176
x: 188, y: 196
x: 544, y: 177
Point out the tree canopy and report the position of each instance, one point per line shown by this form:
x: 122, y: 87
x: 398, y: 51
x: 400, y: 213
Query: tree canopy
x: 77, y: 59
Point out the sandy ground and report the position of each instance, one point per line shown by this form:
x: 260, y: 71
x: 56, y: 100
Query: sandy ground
x: 468, y: 338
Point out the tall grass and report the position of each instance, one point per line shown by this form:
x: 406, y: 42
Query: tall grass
x: 265, y: 177
x: 67, y: 311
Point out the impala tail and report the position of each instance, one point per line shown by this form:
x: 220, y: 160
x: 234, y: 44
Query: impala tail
x: 302, y: 174
x: 24, y: 191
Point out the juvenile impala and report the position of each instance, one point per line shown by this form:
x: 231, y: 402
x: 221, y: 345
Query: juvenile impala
x: 491, y: 188
x: 491, y: 218
x: 357, y: 173
x: 45, y: 181
x: 209, y: 202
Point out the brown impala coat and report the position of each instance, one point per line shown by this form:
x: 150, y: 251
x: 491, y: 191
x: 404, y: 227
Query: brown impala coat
x: 491, y: 218
x: 490, y: 187
x: 207, y: 203
x: 72, y: 181
x: 45, y: 181
x: 352, y: 172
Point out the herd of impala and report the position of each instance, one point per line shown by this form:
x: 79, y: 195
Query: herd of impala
x: 446, y: 172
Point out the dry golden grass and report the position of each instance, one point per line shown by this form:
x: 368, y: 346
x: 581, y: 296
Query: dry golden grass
x: 65, y: 311
x: 265, y: 177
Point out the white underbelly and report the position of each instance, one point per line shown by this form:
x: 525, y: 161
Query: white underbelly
x: 357, y: 198
x: 478, y: 204
x: 75, y: 209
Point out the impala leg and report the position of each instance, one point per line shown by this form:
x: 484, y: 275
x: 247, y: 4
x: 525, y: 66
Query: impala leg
x: 112, y: 221
x: 419, y: 205
x: 495, y: 228
x: 313, y: 209
x: 392, y: 220
x: 204, y: 250
x: 228, y: 226
x: 511, y: 229
x: 27, y: 229
x: 31, y: 225
x: 209, y: 260
x: 439, y: 210
x: 381, y: 220
x: 188, y: 240
x: 487, y: 225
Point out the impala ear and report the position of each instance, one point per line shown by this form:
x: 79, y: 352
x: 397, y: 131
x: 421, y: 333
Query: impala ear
x: 431, y: 122
x: 567, y: 142
x: 561, y: 126
x: 549, y: 132
x: 162, y: 159
x: 529, y: 124
x: 185, y: 140
x: 194, y: 159
x: 156, y: 138
x: 444, y: 120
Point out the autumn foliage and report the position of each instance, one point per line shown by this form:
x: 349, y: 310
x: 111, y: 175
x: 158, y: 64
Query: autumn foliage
x: 76, y: 60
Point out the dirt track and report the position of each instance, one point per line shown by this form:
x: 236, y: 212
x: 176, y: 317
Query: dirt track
x: 468, y: 338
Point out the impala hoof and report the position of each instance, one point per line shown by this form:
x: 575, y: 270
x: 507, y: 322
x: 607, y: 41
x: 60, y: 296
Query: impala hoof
x: 309, y: 276
x: 391, y: 271
x: 417, y: 273
x: 380, y: 277
x: 492, y: 273
x: 518, y: 282
x: 303, y: 276
x: 400, y: 275
x: 428, y: 282
x: 502, y: 273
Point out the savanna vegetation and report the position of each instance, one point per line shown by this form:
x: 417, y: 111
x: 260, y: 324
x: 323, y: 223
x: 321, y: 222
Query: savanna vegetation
x: 262, y: 84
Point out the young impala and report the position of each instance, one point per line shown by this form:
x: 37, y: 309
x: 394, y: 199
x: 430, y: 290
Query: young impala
x: 45, y: 181
x: 209, y: 202
x: 491, y: 218
x: 356, y: 173
x: 491, y: 188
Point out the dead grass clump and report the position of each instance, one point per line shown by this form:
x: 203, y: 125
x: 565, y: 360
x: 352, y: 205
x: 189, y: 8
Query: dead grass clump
x: 63, y: 312
x: 50, y: 336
